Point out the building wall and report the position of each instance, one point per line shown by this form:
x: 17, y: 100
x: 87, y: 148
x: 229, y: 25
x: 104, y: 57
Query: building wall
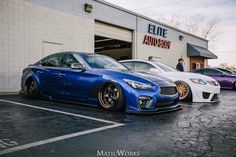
x: 31, y: 29
x: 170, y: 56
x: 113, y: 16
x: 25, y: 26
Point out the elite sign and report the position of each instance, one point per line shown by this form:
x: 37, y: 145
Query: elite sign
x: 154, y: 41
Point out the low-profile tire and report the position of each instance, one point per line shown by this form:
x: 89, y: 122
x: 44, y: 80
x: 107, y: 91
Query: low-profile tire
x: 31, y: 89
x: 185, y: 93
x: 234, y: 86
x: 111, y: 97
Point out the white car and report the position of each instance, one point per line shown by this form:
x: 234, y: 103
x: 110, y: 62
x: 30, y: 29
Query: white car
x: 191, y: 86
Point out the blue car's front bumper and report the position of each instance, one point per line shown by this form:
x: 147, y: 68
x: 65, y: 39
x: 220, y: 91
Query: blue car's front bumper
x: 149, y: 101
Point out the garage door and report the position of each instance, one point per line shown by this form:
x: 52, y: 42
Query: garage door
x: 112, y: 32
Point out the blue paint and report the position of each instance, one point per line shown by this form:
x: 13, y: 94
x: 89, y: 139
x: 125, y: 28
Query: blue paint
x: 157, y: 30
x: 83, y: 85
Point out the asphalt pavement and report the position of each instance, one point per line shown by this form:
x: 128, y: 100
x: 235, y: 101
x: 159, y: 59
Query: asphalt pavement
x: 43, y: 128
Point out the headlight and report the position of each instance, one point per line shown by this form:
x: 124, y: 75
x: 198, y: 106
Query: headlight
x: 213, y: 83
x: 138, y: 85
x: 198, y: 81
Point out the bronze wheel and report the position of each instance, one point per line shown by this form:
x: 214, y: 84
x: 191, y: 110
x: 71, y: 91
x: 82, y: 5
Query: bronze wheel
x: 183, y: 90
x: 31, y: 89
x: 110, y: 97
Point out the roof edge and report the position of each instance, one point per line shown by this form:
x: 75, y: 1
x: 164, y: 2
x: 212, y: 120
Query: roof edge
x: 148, y: 18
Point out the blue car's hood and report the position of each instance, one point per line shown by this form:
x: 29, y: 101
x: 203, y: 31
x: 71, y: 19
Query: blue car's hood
x: 139, y: 76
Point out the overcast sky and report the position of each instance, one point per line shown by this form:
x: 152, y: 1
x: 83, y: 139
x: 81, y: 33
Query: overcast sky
x: 224, y: 10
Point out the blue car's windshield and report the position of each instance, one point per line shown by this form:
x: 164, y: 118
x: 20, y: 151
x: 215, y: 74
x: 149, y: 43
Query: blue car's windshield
x: 102, y: 62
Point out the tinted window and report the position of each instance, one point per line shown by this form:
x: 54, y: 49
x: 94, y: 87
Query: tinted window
x: 199, y: 71
x: 226, y: 71
x: 52, y: 61
x: 140, y: 66
x: 68, y: 60
x: 212, y: 72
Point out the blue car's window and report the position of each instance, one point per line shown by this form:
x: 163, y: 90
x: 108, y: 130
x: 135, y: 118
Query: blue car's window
x: 68, y: 60
x: 52, y: 61
x: 102, y: 62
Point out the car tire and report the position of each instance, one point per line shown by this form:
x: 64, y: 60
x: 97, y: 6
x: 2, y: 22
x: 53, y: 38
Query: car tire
x: 31, y: 89
x: 234, y: 86
x: 185, y: 93
x: 111, y: 97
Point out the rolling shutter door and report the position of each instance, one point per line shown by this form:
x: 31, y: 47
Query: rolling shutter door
x: 112, y: 32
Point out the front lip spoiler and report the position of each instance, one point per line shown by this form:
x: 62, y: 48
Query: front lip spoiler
x: 178, y: 107
x: 216, y: 101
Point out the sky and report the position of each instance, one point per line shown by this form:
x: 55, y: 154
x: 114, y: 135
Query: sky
x: 223, y: 10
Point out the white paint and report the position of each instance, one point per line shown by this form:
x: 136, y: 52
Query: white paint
x: 7, y: 143
x: 59, y: 138
x: 57, y: 111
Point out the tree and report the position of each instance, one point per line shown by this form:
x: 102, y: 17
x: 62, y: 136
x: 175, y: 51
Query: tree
x: 199, y: 25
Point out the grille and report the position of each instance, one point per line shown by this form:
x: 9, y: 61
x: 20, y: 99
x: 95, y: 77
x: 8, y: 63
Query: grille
x: 168, y: 90
x: 215, y: 97
x: 164, y: 103
x: 205, y: 95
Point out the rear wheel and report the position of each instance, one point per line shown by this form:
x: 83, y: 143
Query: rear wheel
x: 31, y: 88
x: 111, y: 97
x: 234, y: 86
x: 184, y: 91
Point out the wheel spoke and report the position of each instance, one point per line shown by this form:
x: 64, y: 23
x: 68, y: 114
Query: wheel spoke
x: 182, y: 89
x: 110, y: 95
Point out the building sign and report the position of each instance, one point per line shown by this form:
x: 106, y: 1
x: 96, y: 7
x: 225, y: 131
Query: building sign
x: 156, y: 41
x: 157, y: 30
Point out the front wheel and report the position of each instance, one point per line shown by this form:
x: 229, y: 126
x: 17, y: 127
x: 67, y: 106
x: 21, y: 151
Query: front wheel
x: 31, y: 89
x: 184, y: 91
x: 111, y: 97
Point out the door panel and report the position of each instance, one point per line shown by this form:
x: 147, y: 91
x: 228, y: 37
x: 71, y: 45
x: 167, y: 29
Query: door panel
x: 79, y: 84
x: 219, y: 76
x: 50, y: 80
x: 50, y: 76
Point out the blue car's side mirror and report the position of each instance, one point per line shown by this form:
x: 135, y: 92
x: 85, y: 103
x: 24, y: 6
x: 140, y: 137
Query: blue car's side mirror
x: 77, y: 66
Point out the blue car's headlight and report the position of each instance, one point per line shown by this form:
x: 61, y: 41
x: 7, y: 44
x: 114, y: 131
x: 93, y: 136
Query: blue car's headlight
x: 198, y: 81
x: 138, y: 85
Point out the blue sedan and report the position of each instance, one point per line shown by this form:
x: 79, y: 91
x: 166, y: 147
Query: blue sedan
x: 99, y: 81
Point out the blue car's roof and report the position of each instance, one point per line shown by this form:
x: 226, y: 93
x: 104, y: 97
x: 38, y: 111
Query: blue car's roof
x: 80, y: 53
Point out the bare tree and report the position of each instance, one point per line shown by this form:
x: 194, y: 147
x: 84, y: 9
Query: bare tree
x: 199, y: 25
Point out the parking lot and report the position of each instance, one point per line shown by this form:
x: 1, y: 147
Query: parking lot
x: 43, y: 128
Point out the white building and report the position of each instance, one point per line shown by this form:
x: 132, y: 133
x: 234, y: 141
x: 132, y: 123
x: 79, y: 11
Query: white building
x: 32, y: 29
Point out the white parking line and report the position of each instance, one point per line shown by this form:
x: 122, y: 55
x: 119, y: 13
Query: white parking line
x: 59, y: 138
x: 57, y: 111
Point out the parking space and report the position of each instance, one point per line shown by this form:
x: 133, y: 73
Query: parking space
x: 46, y: 128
